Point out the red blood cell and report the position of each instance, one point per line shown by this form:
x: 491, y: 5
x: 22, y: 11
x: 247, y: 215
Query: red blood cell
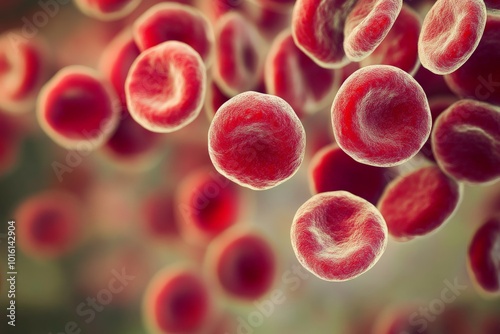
x: 418, y: 203
x: 276, y: 4
x: 48, y: 224
x: 78, y: 109
x: 208, y: 204
x: 242, y: 263
x: 381, y: 116
x: 318, y: 30
x: 437, y: 105
x: 158, y: 212
x: 450, y: 33
x: 10, y: 141
x: 331, y: 169
x: 23, y: 69
x: 239, y: 54
x: 338, y: 236
x: 177, y: 300
x: 400, y: 47
x: 293, y: 76
x: 107, y: 10
x: 175, y: 22
x: 367, y: 25
x: 492, y: 6
x: 490, y: 325
x: 479, y: 77
x: 256, y: 140
x: 484, y: 257
x: 397, y: 321
x: 165, y: 87
x: 466, y: 141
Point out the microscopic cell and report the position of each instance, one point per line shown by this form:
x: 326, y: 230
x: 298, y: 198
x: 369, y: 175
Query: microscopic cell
x: 318, y: 30
x: 484, y: 257
x: 242, y: 263
x: 293, y: 76
x: 24, y: 66
x: 381, y: 116
x: 215, y: 99
x: 78, y: 108
x: 208, y: 204
x: 165, y: 87
x: 239, y: 54
x: 177, y: 300
x: 49, y: 224
x: 437, y: 104
x: 400, y: 47
x: 175, y: 22
x: 332, y: 169
x: 367, y: 24
x: 479, y: 77
x: 451, y: 32
x: 418, y: 203
x: 256, y: 140
x: 466, y: 141
x: 338, y: 236
x: 107, y: 10
x: 159, y: 215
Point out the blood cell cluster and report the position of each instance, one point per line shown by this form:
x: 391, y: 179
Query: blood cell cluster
x: 399, y: 101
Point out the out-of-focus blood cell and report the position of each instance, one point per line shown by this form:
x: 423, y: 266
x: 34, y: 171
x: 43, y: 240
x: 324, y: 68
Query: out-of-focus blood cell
x: 418, y: 203
x: 208, y: 204
x: 433, y: 84
x: 177, y: 300
x: 397, y: 321
x: 479, y: 77
x: 493, y: 5
x: 108, y: 263
x: 49, y: 224
x: 165, y: 87
x: 318, y: 30
x: 466, y: 141
x: 256, y: 140
x: 239, y: 54
x: 437, y: 105
x: 367, y: 25
x: 23, y: 69
x: 130, y: 142
x: 293, y: 76
x: 78, y: 109
x: 400, y: 47
x: 338, y: 236
x: 484, y: 257
x: 490, y: 325
x: 175, y: 22
x: 107, y: 10
x: 159, y: 214
x: 242, y: 263
x: 381, y: 116
x: 10, y: 141
x: 332, y: 169
x: 276, y: 4
x: 451, y: 32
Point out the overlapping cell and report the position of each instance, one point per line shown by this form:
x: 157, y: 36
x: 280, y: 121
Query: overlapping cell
x: 165, y: 87
x: 466, y: 141
x: 338, y: 236
x: 419, y: 202
x: 381, y: 116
